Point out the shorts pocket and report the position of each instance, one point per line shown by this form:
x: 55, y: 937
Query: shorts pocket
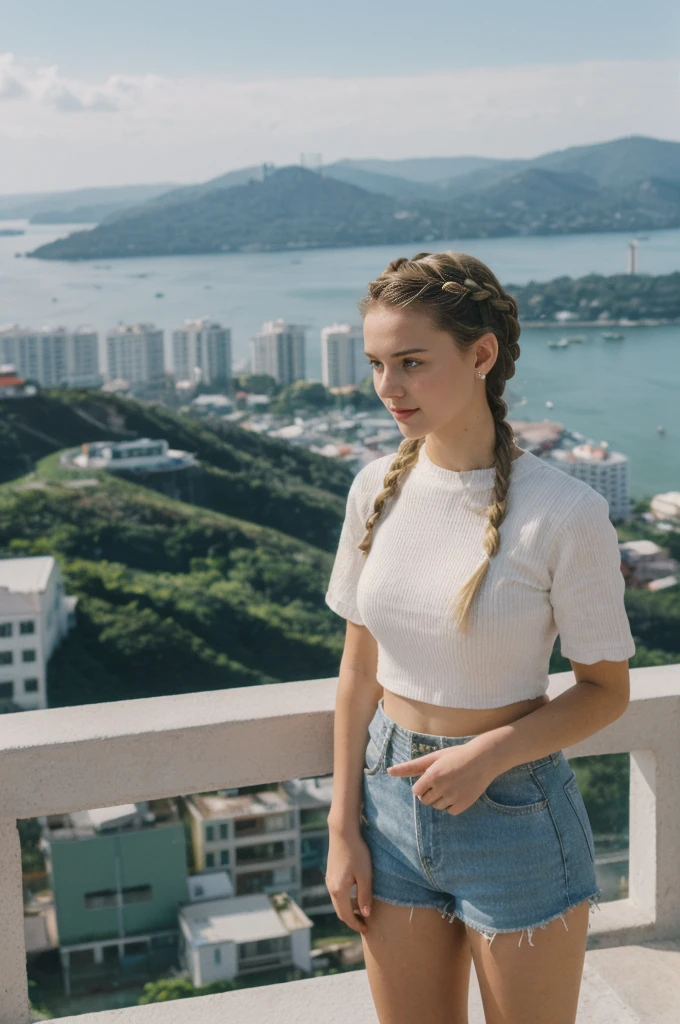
x: 573, y: 794
x: 376, y: 749
x: 514, y: 793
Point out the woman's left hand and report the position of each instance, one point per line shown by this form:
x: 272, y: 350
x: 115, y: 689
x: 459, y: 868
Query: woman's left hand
x: 451, y: 779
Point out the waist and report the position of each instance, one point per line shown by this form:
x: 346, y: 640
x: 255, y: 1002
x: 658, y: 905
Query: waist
x: 433, y: 719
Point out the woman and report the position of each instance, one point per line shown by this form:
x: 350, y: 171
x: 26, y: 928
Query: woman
x: 461, y: 557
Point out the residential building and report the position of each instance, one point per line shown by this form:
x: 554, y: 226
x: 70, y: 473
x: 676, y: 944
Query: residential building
x: 342, y: 355
x: 12, y: 385
x: 279, y: 350
x: 145, y: 454
x: 35, y: 615
x: 135, y: 353
x: 267, y: 840
x: 119, y: 877
x: 201, y: 352
x: 222, y: 939
x: 606, y: 471
x: 52, y: 355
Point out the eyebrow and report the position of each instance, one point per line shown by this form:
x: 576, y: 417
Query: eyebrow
x: 402, y: 352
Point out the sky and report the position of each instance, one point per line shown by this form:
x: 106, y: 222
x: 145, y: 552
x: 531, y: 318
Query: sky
x: 126, y: 92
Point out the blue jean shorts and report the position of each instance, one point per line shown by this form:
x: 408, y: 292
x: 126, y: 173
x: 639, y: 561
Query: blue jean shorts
x: 520, y: 856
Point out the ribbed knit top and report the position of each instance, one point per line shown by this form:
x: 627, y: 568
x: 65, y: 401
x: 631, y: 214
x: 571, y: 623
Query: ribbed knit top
x: 558, y: 570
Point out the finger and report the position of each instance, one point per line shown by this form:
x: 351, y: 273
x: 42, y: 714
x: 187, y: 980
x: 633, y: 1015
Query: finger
x: 415, y: 767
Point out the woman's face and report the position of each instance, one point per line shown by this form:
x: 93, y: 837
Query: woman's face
x: 417, y: 366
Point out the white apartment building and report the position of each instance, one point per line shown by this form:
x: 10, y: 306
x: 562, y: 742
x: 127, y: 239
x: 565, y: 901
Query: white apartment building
x: 35, y: 614
x: 134, y: 352
x: 606, y: 472
x: 342, y: 355
x: 222, y: 939
x: 279, y: 350
x: 52, y: 356
x: 267, y: 840
x: 201, y: 352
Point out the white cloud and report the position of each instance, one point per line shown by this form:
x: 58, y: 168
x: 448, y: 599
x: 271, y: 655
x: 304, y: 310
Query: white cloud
x: 148, y: 127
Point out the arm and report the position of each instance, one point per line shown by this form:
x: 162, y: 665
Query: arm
x: 600, y: 696
x: 357, y: 697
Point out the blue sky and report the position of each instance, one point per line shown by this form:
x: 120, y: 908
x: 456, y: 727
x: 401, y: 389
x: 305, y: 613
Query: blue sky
x: 111, y: 93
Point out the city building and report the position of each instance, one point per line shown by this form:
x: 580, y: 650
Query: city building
x: 35, y: 615
x: 342, y: 355
x: 52, y: 356
x: 279, y: 350
x: 606, y: 472
x: 135, y: 353
x: 644, y: 562
x: 119, y: 877
x: 267, y: 840
x: 201, y: 352
x: 222, y: 939
x: 666, y: 506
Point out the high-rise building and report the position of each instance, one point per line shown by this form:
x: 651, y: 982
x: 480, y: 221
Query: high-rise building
x: 342, y: 355
x: 52, y: 356
x: 606, y: 472
x: 135, y: 353
x: 201, y: 352
x: 279, y: 350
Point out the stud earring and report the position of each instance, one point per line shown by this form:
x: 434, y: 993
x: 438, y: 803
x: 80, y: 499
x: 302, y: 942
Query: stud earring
x: 481, y: 375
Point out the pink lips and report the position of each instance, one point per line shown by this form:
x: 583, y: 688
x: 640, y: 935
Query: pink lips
x: 403, y: 414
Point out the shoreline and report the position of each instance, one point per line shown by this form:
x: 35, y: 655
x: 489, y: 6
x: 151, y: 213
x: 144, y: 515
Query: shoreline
x: 604, y: 324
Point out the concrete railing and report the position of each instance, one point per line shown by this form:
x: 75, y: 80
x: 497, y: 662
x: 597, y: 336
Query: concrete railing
x: 67, y: 759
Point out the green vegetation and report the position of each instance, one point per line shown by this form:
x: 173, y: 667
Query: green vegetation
x: 630, y: 296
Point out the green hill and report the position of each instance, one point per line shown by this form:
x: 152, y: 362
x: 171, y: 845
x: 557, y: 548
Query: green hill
x: 174, y: 597
x: 260, y: 479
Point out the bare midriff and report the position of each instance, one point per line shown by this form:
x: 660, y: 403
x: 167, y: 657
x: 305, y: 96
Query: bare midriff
x: 416, y: 716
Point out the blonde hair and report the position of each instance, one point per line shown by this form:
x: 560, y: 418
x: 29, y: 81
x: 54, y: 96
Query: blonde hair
x: 461, y: 295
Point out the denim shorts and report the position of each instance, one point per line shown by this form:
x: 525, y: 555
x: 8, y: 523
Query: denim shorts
x: 520, y: 856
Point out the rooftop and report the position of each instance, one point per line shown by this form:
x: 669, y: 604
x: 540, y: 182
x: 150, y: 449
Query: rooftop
x: 26, y: 575
x: 242, y: 919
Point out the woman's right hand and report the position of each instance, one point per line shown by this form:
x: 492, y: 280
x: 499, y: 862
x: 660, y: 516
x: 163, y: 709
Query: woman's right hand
x: 349, y: 864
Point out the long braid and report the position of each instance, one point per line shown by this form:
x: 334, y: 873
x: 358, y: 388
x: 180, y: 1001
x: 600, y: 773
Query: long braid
x: 463, y: 296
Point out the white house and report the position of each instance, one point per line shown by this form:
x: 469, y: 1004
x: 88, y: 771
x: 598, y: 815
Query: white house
x: 35, y: 615
x: 225, y: 938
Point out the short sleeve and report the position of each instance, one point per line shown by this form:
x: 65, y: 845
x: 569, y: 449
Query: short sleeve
x: 349, y: 561
x: 587, y: 585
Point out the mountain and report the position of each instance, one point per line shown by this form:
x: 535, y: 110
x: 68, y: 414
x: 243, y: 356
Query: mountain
x: 84, y: 205
x: 630, y: 184
x: 293, y: 208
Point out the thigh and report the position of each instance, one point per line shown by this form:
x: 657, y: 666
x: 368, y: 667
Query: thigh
x: 533, y: 984
x: 418, y: 965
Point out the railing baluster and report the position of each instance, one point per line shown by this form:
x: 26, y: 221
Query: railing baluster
x: 14, y: 1006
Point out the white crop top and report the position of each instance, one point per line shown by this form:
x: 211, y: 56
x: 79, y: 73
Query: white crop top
x: 558, y: 570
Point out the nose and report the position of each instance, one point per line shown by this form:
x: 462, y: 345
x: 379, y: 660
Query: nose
x: 389, y: 386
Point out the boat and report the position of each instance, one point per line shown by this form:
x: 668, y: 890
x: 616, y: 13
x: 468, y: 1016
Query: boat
x: 558, y: 343
x: 160, y: 295
x: 548, y: 404
x: 661, y: 429
x: 612, y: 336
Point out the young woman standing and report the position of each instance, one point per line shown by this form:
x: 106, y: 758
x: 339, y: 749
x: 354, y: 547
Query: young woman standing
x: 456, y: 823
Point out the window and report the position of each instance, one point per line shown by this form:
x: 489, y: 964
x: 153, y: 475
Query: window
x: 28, y: 626
x: 28, y: 655
x: 224, y: 856
x: 199, y: 890
x: 6, y: 689
x: 217, y: 955
x: 6, y: 658
x: 224, y: 831
x: 209, y: 833
x: 99, y: 900
x: 5, y: 628
x: 210, y: 860
x: 137, y: 894
x: 30, y: 685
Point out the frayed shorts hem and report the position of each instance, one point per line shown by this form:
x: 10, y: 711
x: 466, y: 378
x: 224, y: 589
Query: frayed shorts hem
x: 490, y: 932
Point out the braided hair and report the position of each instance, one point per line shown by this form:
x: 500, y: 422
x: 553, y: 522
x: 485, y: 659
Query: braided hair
x: 461, y: 295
